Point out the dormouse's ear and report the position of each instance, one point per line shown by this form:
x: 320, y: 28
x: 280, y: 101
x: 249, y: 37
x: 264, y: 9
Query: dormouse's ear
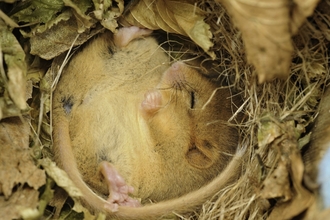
x: 201, y: 155
x: 126, y: 34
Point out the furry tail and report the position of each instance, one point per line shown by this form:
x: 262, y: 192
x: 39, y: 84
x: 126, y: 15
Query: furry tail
x: 190, y: 201
x: 65, y: 159
x: 187, y: 203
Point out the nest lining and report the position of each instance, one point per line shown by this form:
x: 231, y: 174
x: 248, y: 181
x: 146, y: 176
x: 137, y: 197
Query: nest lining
x: 284, y: 108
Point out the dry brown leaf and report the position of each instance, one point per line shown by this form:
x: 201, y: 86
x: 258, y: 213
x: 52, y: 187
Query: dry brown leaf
x: 17, y: 164
x: 16, y: 86
x: 315, y: 212
x: 84, y: 21
x: 60, y: 177
x: 167, y: 22
x: 20, y: 179
x: 62, y: 180
x: 13, y: 70
x: 143, y: 15
x: 191, y: 20
x: 173, y: 17
x: 267, y: 28
x: 58, y: 39
x: 58, y: 201
x: 300, y: 10
x: 302, y: 198
x: 277, y: 185
x: 266, y: 34
x: 268, y: 130
x: 324, y: 215
x: 20, y: 200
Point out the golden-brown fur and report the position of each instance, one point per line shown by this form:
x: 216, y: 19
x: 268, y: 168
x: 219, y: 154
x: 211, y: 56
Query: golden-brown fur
x: 164, y: 147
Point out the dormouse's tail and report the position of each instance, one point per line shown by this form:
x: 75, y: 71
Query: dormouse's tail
x: 187, y: 203
x: 191, y: 201
x: 65, y: 159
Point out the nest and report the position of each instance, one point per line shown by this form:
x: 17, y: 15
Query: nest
x: 279, y: 114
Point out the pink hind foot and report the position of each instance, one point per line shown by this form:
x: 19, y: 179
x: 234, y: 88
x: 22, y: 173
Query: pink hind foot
x: 126, y: 34
x: 118, y: 189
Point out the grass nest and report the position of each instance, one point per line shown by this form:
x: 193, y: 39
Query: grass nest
x: 277, y: 179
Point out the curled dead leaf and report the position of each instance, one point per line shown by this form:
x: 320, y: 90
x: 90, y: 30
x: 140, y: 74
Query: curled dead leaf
x: 173, y: 17
x: 300, y: 10
x: 84, y: 22
x: 16, y: 85
x: 107, y: 12
x: 60, y: 177
x: 58, y: 39
x: 266, y: 33
x: 20, y: 178
x: 41, y: 11
x: 268, y: 130
x: 267, y: 28
x: 55, y: 24
x: 290, y: 163
x: 13, y: 80
x: 277, y: 185
x: 62, y: 180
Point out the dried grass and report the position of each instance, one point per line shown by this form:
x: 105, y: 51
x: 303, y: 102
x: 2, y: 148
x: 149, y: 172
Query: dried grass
x: 293, y: 99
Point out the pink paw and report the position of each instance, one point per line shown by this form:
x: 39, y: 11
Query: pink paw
x: 152, y: 102
x: 126, y: 34
x: 118, y: 189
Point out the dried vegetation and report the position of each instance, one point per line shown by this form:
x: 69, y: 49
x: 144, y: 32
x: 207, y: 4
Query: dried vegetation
x: 252, y: 41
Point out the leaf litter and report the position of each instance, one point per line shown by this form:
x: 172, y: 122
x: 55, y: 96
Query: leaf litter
x: 274, y: 36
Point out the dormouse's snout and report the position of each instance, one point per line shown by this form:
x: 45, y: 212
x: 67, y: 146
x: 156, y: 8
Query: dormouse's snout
x: 174, y: 76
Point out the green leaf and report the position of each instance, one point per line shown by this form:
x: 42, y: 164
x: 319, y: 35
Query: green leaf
x: 38, y: 11
x: 79, y: 9
x: 13, y: 76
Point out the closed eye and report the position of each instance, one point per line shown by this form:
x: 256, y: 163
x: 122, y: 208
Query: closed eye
x: 192, y: 100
